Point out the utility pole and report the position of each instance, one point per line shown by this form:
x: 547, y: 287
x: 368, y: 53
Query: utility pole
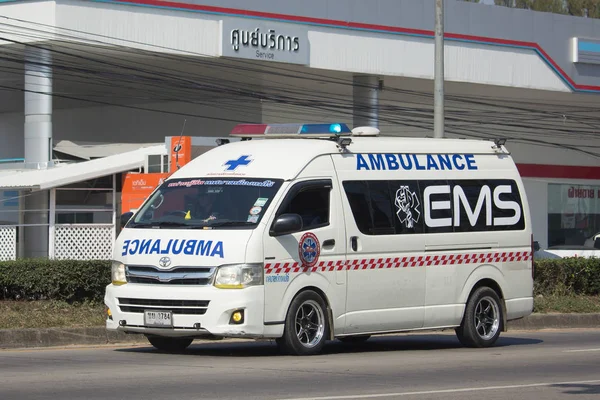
x: 438, y: 99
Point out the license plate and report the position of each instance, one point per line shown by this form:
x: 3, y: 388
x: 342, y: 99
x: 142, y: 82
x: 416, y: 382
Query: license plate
x: 158, y: 318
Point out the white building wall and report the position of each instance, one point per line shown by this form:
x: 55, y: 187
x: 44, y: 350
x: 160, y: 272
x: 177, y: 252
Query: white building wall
x: 153, y: 29
x: 525, y: 153
x: 12, y: 141
x: 192, y: 33
x: 112, y: 124
x: 397, y: 55
x: 122, y: 124
x: 19, y: 17
x: 537, y: 196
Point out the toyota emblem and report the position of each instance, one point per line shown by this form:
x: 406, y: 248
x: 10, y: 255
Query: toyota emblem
x: 164, y: 262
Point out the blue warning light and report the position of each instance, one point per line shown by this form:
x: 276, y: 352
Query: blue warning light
x: 335, y: 128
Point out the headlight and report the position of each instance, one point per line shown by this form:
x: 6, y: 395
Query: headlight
x: 117, y: 272
x: 239, y: 276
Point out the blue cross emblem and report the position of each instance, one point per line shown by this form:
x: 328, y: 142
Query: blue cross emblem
x: 309, y: 250
x: 233, y: 164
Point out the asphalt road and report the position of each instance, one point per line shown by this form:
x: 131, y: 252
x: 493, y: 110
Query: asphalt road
x: 524, y: 365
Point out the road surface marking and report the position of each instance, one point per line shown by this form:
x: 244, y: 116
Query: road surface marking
x: 471, y: 389
x: 580, y: 350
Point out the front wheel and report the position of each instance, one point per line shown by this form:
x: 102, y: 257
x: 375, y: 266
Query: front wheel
x: 306, y: 326
x: 168, y: 344
x: 482, y: 322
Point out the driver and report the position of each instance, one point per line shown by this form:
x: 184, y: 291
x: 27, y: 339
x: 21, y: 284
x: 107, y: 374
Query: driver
x: 205, y: 206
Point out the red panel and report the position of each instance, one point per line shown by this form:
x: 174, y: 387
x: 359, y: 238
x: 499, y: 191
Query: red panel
x: 558, y: 171
x: 249, y: 129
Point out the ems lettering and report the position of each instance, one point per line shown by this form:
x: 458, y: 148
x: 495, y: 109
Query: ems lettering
x: 420, y: 162
x: 442, y: 197
x: 206, y: 248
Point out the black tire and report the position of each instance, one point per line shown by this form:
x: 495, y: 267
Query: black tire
x: 309, y: 335
x: 482, y: 321
x: 168, y: 344
x: 354, y: 339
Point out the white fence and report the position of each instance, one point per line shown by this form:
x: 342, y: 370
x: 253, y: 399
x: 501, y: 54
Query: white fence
x: 83, y: 242
x: 8, y: 242
x: 71, y: 241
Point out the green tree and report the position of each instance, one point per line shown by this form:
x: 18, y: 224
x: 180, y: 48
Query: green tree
x: 584, y: 8
x: 553, y: 6
x: 579, y: 8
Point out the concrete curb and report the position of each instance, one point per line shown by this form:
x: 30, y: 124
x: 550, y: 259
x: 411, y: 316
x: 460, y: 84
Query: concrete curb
x: 53, y: 337
x: 58, y: 337
x: 556, y: 321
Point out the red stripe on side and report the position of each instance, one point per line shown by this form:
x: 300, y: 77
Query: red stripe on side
x: 558, y: 171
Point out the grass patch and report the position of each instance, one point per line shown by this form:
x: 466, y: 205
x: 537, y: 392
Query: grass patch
x: 566, y: 304
x: 60, y: 314
x: 50, y: 314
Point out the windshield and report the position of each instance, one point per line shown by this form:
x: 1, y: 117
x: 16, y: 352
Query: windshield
x: 207, y: 203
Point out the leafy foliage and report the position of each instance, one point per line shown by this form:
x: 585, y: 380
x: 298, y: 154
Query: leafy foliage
x: 574, y: 276
x: 85, y: 281
x: 42, y: 279
x: 578, y: 8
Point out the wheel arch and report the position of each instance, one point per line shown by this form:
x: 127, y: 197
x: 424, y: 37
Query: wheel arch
x: 328, y: 310
x: 302, y: 283
x: 489, y: 276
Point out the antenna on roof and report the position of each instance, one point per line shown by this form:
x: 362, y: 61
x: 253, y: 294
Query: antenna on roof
x: 177, y: 147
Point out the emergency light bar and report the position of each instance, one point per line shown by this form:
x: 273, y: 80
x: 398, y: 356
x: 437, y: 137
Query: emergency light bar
x: 291, y: 130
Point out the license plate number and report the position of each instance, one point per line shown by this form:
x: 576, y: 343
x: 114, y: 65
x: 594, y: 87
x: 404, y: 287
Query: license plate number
x: 158, y: 318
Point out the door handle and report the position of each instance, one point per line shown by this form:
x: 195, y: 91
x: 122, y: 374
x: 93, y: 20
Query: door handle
x: 354, y: 243
x: 329, y: 243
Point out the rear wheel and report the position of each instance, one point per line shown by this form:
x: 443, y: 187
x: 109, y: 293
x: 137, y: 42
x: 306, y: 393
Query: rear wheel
x: 168, y: 344
x: 482, y: 322
x: 306, y: 326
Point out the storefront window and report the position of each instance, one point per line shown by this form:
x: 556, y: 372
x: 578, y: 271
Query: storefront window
x: 573, y: 215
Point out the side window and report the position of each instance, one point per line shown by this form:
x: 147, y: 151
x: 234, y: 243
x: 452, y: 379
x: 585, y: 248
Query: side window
x: 381, y: 207
x: 310, y: 201
x: 385, y: 207
x: 360, y: 203
x: 435, y: 206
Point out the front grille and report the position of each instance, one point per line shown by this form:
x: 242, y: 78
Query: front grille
x: 189, y: 307
x: 152, y: 281
x: 150, y: 275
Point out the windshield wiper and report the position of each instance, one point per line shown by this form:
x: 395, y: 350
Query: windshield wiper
x: 158, y: 224
x: 231, y: 223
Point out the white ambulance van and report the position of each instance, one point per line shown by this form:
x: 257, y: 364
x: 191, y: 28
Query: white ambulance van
x: 308, y: 233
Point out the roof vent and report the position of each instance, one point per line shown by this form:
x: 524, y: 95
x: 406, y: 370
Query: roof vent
x: 365, y: 131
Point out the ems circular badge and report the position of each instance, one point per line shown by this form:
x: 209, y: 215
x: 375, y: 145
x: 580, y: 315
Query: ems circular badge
x: 309, y: 249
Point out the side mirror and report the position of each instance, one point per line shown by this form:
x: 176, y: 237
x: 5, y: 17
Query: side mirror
x: 125, y: 218
x: 285, y: 224
x: 536, y: 246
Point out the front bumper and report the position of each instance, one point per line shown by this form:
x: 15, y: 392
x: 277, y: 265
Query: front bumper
x: 190, y: 308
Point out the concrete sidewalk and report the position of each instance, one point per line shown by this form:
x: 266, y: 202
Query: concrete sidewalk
x: 56, y: 337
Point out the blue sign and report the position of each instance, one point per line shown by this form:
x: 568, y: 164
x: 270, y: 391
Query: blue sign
x: 188, y: 247
x: 421, y: 162
x: 233, y: 164
x: 278, y: 278
x: 10, y: 198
